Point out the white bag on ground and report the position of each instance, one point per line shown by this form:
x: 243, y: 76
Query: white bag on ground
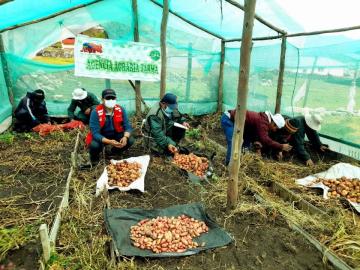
x: 336, y: 171
x: 139, y: 184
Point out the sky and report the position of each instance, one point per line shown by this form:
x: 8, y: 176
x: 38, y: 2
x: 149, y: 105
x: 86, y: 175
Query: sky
x: 315, y: 15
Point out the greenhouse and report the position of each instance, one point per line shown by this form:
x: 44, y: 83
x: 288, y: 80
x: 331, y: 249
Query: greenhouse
x: 291, y: 59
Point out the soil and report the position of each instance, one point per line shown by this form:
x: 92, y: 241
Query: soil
x: 33, y: 171
x: 261, y: 240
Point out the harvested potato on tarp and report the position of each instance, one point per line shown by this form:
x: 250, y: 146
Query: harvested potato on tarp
x: 119, y: 222
x: 192, y: 163
x: 123, y: 173
x: 345, y: 187
x: 167, y: 234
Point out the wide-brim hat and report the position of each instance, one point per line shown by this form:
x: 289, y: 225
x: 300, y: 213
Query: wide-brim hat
x: 278, y: 120
x: 79, y: 94
x: 313, y: 121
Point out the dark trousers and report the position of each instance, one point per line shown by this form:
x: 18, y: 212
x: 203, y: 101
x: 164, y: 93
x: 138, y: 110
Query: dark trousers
x: 24, y: 123
x: 81, y: 116
x: 228, y: 127
x: 96, y: 147
x: 176, y: 133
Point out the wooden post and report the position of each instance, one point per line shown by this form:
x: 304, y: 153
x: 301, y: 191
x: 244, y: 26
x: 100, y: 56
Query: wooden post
x: 243, y: 89
x: 107, y: 83
x: 44, y: 237
x: 164, y: 19
x: 309, y: 81
x: 6, y: 71
x: 188, y: 76
x: 136, y: 39
x: 351, y: 99
x: 281, y: 75
x: 221, y: 77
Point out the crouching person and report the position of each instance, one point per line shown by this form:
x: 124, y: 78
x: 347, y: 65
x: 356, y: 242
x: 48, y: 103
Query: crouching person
x: 109, y: 125
x: 86, y: 101
x: 257, y: 127
x: 160, y: 133
x: 31, y: 111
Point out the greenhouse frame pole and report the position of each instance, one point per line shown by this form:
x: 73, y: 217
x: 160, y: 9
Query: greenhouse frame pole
x: 281, y: 75
x: 221, y: 77
x: 164, y: 20
x: 49, y: 17
x: 189, y: 22
x: 243, y: 89
x: 6, y: 71
x: 136, y: 39
x: 188, y: 75
x: 258, y: 18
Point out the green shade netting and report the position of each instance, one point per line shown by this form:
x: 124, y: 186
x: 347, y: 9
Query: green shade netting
x: 320, y: 71
x: 22, y: 11
x: 5, y: 105
x: 119, y: 221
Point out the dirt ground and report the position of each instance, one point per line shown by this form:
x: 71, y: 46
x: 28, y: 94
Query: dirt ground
x: 262, y: 238
x: 33, y: 171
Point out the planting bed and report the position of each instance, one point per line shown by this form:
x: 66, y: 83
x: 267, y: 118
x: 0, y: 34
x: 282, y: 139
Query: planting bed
x: 33, y: 171
x: 262, y: 238
x: 337, y: 230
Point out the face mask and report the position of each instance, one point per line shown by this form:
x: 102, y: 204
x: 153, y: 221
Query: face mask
x: 168, y: 110
x: 110, y: 103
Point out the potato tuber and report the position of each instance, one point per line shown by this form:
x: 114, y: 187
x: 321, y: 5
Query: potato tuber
x: 348, y: 188
x: 192, y: 163
x: 123, y: 173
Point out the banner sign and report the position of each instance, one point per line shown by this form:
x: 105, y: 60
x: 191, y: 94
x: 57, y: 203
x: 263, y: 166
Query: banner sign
x: 114, y: 59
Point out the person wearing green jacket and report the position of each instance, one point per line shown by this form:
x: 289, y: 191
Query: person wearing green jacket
x: 160, y: 134
x: 86, y: 101
x: 297, y: 128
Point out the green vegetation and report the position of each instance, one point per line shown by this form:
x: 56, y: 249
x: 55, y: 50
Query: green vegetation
x: 15, y: 237
x: 53, y: 60
x: 7, y: 138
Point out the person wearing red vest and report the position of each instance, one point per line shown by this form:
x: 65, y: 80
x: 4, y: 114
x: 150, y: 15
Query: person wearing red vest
x: 108, y: 125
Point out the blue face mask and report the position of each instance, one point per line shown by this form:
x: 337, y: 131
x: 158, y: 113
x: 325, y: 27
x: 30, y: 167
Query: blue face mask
x: 168, y: 110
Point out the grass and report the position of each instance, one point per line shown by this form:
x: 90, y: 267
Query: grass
x: 83, y: 243
x: 32, y: 172
x: 7, y: 138
x: 53, y: 60
x: 15, y: 237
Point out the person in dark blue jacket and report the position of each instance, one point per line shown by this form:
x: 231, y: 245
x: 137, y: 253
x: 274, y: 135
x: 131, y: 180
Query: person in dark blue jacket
x: 31, y: 111
x: 110, y: 125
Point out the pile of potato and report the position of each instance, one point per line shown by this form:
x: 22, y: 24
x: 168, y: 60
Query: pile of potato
x: 345, y: 187
x: 164, y: 234
x: 123, y: 173
x: 192, y: 163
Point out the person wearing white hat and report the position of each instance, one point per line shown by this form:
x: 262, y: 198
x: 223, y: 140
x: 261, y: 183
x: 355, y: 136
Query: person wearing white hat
x: 308, y: 125
x: 295, y: 130
x: 256, y: 131
x: 86, y: 101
